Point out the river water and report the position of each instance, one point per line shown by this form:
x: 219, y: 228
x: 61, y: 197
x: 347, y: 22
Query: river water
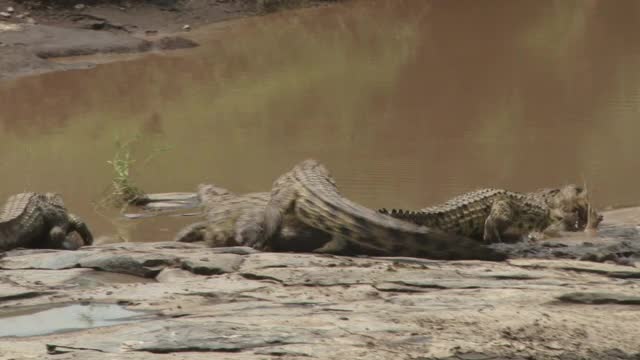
x: 408, y: 102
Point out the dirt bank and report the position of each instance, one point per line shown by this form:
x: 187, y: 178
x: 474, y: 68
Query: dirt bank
x: 33, y: 31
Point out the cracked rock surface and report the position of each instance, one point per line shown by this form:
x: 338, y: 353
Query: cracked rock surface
x: 242, y: 304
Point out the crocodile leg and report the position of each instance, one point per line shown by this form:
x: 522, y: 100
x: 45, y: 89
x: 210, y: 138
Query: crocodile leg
x: 283, y: 198
x: 498, y: 221
x: 337, y: 246
x: 250, y: 229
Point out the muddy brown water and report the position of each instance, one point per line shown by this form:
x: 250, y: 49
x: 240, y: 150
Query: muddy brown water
x: 408, y: 102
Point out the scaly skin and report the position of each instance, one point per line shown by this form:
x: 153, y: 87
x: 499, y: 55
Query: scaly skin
x: 495, y: 214
x: 308, y: 194
x: 238, y: 220
x: 569, y: 208
x: 33, y: 220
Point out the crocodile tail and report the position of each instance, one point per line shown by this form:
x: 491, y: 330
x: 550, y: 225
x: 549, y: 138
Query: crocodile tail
x: 82, y: 229
x: 462, y: 248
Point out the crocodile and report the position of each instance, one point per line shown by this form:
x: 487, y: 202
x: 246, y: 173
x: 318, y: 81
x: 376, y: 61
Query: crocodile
x: 238, y: 220
x: 334, y: 224
x: 40, y: 220
x: 494, y: 215
x: 308, y: 194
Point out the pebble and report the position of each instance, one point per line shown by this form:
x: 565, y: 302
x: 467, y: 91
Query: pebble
x: 10, y: 9
x: 5, y: 14
x: 186, y: 28
x: 79, y: 6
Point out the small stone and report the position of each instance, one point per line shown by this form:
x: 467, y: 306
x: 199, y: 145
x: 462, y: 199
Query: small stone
x: 221, y: 264
x: 186, y: 28
x: 554, y: 345
x: 31, y: 21
x: 5, y: 14
x: 10, y: 10
x: 79, y: 6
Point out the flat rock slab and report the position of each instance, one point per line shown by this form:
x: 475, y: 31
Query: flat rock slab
x: 189, y: 335
x: 148, y: 265
x: 600, y: 298
x: 51, y: 260
x: 214, y: 337
x: 213, y: 264
x: 10, y: 292
x: 611, y: 270
x: 47, y: 280
x: 254, y: 305
x: 261, y: 261
x: 169, y: 275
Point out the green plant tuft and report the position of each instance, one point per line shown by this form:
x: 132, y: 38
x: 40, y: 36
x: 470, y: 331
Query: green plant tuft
x: 123, y: 190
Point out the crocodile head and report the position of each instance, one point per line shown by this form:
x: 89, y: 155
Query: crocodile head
x: 209, y: 193
x: 570, y: 208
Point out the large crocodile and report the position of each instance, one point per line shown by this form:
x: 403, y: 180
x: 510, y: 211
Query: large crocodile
x: 312, y: 212
x: 495, y: 214
x: 307, y: 194
x: 34, y: 220
x: 240, y: 220
x: 323, y: 222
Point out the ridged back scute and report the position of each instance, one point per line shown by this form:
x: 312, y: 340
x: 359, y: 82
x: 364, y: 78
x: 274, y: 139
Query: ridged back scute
x: 53, y: 199
x: 403, y: 214
x: 15, y: 206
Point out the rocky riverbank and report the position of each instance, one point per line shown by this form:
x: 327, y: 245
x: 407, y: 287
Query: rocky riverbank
x: 33, y: 31
x: 192, y: 300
